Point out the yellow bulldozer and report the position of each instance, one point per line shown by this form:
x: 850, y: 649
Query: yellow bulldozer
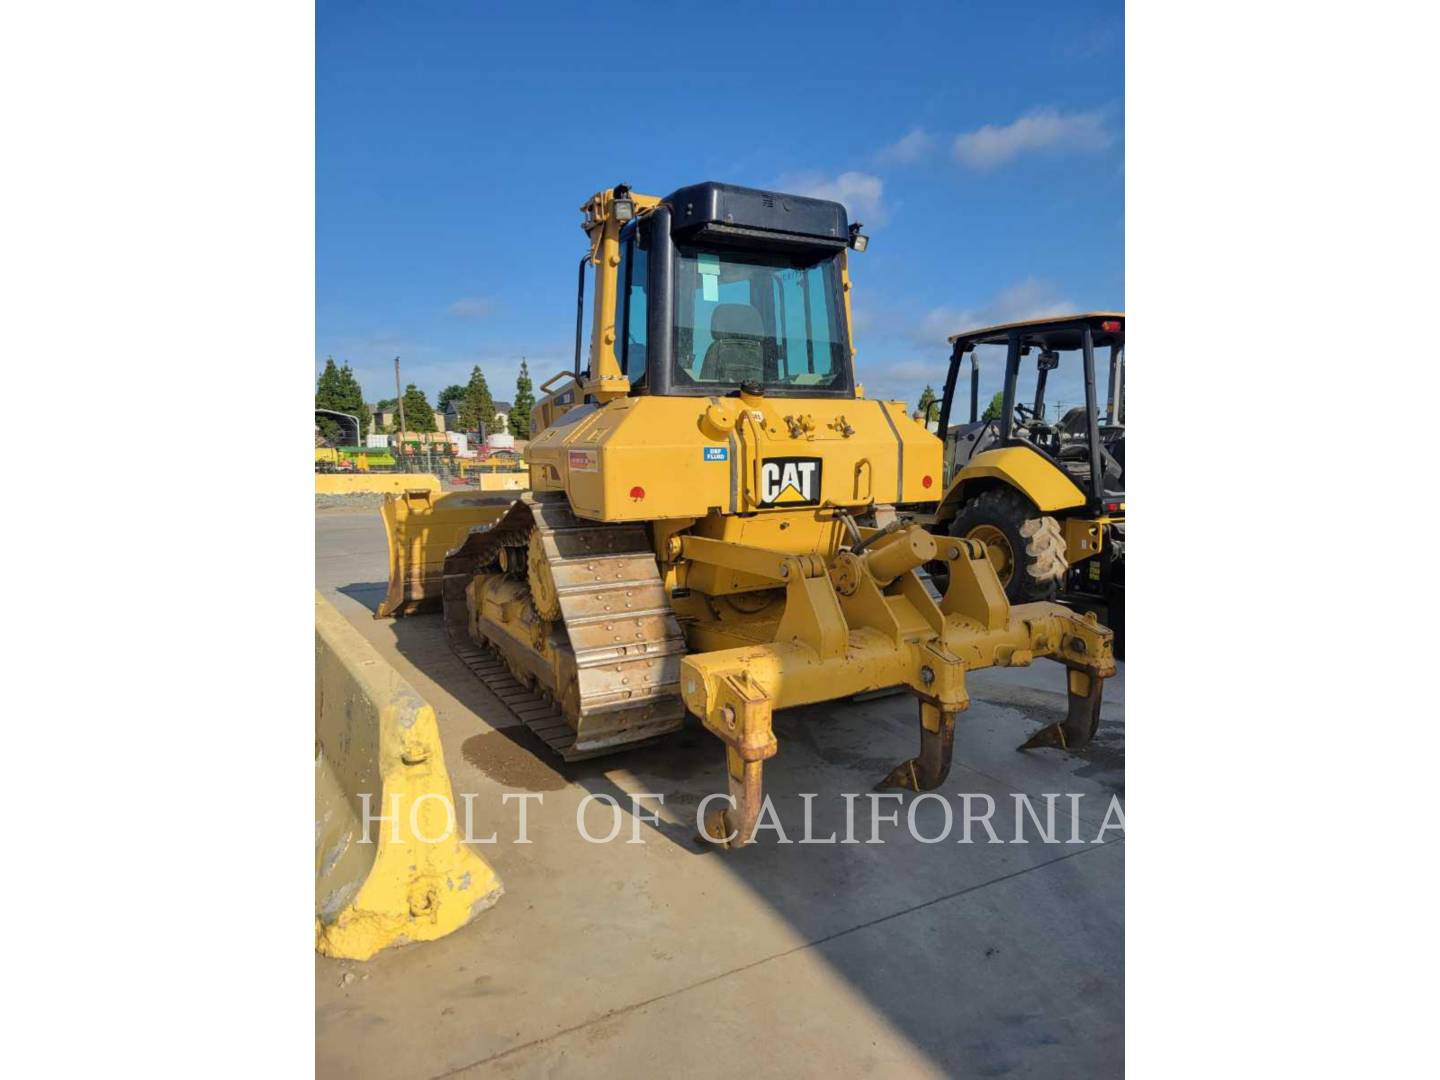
x: 710, y: 520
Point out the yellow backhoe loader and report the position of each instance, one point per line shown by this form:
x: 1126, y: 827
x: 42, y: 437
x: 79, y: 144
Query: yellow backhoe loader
x: 710, y: 524
x: 1046, y: 497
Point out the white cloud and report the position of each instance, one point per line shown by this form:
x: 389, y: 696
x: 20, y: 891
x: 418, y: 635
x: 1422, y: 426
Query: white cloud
x: 472, y: 307
x: 1027, y: 299
x: 897, y: 370
x: 931, y: 371
x: 862, y: 194
x: 910, y: 148
x: 1043, y: 129
x: 939, y: 323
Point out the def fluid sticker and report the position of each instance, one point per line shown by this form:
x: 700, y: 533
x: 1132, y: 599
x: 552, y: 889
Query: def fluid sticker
x: 717, y: 453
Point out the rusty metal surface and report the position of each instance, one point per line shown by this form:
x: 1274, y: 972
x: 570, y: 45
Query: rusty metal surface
x: 937, y: 745
x: 1082, y: 718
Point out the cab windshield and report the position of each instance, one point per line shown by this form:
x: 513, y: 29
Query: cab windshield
x: 766, y: 317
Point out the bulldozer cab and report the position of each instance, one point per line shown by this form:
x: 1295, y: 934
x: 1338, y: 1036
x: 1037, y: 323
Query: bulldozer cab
x: 1087, y: 442
x: 714, y: 288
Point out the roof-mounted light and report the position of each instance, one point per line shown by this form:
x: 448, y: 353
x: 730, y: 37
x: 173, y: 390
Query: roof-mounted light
x: 858, y: 240
x: 622, y: 206
x: 1112, y: 326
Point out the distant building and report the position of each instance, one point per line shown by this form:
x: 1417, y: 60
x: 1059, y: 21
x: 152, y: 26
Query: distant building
x: 502, y: 417
x: 381, y: 419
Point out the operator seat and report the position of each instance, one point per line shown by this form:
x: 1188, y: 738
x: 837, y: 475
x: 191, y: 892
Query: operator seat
x: 737, y: 347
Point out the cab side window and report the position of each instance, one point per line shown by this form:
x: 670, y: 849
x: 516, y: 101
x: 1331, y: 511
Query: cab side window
x: 630, y: 312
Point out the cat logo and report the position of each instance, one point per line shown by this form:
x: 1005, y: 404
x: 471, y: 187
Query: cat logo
x: 790, y: 481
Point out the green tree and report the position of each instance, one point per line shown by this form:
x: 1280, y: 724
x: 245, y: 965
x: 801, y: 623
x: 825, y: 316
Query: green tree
x: 454, y: 392
x: 352, y: 402
x: 419, y: 416
x: 327, y: 390
x: 524, y: 402
x: 927, y: 399
x: 992, y: 411
x: 478, y: 407
x: 339, y: 390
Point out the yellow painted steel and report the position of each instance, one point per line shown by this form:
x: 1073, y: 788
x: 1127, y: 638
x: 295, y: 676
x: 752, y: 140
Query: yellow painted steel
x: 415, y: 879
x: 849, y: 624
x: 1085, y: 536
x: 420, y: 527
x: 642, y: 458
x: 372, y: 483
x: 849, y: 319
x: 1042, y: 482
x: 603, y: 228
x: 782, y: 596
x: 502, y: 481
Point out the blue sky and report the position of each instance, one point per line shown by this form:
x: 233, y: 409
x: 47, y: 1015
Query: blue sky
x: 981, y: 145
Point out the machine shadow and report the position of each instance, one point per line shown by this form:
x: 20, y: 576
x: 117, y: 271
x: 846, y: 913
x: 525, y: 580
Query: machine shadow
x: 1023, y: 943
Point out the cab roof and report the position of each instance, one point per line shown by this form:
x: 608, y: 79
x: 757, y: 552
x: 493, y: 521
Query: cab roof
x: 1058, y: 332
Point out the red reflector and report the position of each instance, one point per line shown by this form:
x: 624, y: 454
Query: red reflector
x: 1111, y: 325
x: 1112, y: 507
x: 925, y: 481
x: 637, y: 492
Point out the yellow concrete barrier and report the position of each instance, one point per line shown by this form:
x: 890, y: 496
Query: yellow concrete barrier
x: 373, y: 483
x: 392, y: 868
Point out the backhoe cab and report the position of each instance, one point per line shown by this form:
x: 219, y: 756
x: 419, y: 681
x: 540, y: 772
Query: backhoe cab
x: 710, y: 525
x: 1046, y: 498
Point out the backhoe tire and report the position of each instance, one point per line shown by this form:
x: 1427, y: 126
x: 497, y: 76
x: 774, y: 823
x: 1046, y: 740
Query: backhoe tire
x: 1026, y: 547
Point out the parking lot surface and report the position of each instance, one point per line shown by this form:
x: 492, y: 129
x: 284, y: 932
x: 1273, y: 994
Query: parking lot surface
x: 666, y: 957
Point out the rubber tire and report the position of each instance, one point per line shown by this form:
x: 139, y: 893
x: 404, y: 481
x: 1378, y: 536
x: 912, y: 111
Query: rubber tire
x: 1036, y: 539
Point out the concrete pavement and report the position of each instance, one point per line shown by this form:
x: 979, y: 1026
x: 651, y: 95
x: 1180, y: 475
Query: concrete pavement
x: 896, y: 958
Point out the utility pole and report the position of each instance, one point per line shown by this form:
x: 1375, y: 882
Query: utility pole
x: 400, y: 404
x: 399, y: 399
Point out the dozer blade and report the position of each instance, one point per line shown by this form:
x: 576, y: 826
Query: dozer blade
x: 390, y: 864
x: 420, y: 527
